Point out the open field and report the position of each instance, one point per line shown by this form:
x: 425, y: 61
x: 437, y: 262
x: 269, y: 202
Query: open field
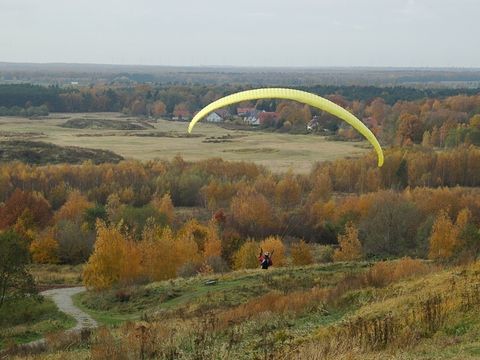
x: 279, y: 152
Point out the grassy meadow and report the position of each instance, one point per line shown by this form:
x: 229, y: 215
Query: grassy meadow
x: 165, y: 139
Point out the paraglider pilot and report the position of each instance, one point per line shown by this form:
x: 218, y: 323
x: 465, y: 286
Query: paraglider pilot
x: 265, y: 259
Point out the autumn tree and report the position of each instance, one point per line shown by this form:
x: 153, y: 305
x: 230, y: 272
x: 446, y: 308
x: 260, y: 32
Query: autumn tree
x: 443, y: 237
x: 196, y: 231
x: 446, y: 236
x: 19, y: 202
x: 252, y: 212
x: 410, y: 129
x: 377, y: 110
x: 186, y: 250
x: 159, y: 257
x: 114, y: 208
x: 426, y: 139
x: 74, y: 208
x: 44, y: 249
x: 158, y: 108
x: 321, y: 185
x: 213, y: 243
x: 350, y: 246
x: 164, y: 205
x: 247, y: 256
x: 116, y: 259
x: 301, y: 253
x: 287, y: 191
x: 475, y: 121
x: 25, y: 226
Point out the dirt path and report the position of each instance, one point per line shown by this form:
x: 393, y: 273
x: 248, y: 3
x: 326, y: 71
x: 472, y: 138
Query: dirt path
x: 62, y: 297
x: 63, y: 300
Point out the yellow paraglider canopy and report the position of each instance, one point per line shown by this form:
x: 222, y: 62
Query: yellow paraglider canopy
x: 296, y: 95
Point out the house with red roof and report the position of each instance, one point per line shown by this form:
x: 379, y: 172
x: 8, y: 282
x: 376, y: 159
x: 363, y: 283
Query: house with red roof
x: 179, y: 114
x: 261, y: 118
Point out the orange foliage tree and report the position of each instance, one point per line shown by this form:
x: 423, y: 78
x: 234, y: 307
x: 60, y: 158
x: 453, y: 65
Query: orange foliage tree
x: 287, y: 191
x: 18, y: 202
x: 164, y: 205
x: 301, y: 253
x: 252, y: 212
x: 350, y: 246
x: 74, y: 208
x: 44, y: 248
x: 445, y: 238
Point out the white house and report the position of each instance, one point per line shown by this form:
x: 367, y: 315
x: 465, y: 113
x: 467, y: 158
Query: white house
x: 214, y: 117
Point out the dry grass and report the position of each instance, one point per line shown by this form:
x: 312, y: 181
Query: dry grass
x: 49, y: 275
x: 276, y: 302
x: 296, y: 152
x: 402, y: 316
x: 387, y: 272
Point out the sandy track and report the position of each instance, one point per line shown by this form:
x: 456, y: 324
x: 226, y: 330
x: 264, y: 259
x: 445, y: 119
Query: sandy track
x: 63, y: 299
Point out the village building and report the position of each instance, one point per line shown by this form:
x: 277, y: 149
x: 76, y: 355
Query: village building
x: 184, y: 115
x: 261, y: 118
x: 245, y: 111
x: 214, y: 117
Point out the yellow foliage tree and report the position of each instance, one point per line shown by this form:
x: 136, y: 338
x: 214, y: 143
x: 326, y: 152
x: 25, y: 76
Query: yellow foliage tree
x: 463, y: 218
x: 114, y: 208
x: 301, y: 253
x: 251, y: 211
x: 196, y: 231
x: 445, y: 237
x: 158, y: 253
x: 164, y: 205
x: 186, y: 250
x: 74, y: 207
x: 247, y: 256
x: 350, y: 246
x: 44, y: 249
x: 114, y: 260
x: 273, y: 244
x: 213, y: 243
x: 287, y: 191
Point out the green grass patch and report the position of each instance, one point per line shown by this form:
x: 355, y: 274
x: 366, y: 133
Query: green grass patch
x: 102, y: 316
x: 26, y: 319
x: 193, y: 296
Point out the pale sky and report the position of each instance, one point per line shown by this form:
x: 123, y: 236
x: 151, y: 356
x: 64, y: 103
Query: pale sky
x: 403, y: 33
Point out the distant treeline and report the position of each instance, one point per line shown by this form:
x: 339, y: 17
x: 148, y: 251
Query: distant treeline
x: 389, y: 94
x: 25, y: 95
x: 115, y: 98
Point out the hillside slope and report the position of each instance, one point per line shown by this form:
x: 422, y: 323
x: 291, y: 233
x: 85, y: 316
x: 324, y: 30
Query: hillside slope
x: 404, y: 309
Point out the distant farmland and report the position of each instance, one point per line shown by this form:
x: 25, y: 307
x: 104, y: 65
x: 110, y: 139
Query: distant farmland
x: 165, y: 139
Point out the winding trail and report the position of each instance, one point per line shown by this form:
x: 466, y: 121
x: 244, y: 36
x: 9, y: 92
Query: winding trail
x: 63, y: 299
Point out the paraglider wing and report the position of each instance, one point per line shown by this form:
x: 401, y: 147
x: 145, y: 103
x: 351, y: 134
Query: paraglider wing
x: 296, y: 95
